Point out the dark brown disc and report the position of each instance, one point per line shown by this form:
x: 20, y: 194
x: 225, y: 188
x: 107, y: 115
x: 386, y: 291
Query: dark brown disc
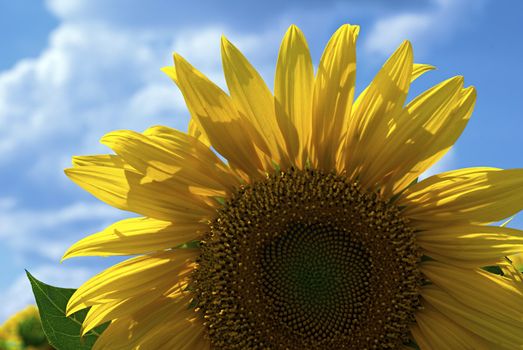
x: 307, y: 260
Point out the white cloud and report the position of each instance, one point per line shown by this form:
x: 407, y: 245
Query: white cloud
x: 388, y: 33
x: 7, y: 203
x: 80, y: 87
x: 94, y: 78
x: 48, y: 233
x: 66, y: 8
x: 91, y: 79
x: 432, y: 26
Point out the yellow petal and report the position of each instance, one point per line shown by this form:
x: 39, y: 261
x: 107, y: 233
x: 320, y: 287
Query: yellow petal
x: 510, y: 271
x: 197, y: 132
x: 333, y: 95
x: 472, y: 195
x: 374, y: 110
x: 470, y: 245
x: 436, y: 331
x: 127, y: 191
x: 253, y: 99
x: 293, y: 87
x: 443, y: 132
x: 134, y: 278
x: 421, y: 340
x: 517, y: 260
x: 230, y: 133
x: 181, y: 159
x: 100, y: 313
x: 108, y: 184
x: 195, y: 129
x: 418, y: 69
x: 152, y: 327
x: 171, y: 73
x: 190, y: 334
x: 505, y: 334
x: 136, y: 236
x: 421, y: 126
x: 108, y: 160
x: 495, y: 295
x: 177, y: 142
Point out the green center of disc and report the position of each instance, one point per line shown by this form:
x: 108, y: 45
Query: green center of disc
x: 307, y: 260
x: 312, y: 272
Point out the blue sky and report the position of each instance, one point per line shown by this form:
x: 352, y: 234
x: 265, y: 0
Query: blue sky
x: 71, y: 71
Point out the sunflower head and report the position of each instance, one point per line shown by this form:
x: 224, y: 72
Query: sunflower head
x: 23, y: 330
x: 314, y: 259
x: 313, y: 232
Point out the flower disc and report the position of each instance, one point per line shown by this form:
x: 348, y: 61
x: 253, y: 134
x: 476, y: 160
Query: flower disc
x: 306, y: 259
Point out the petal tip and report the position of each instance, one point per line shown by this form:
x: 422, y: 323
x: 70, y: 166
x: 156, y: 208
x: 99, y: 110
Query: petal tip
x: 224, y: 41
x: 170, y: 71
x: 71, y: 308
x: 70, y: 172
x: 226, y: 47
x: 294, y: 31
x: 178, y: 59
x: 68, y: 254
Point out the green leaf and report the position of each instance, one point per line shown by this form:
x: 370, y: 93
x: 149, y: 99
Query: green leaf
x: 412, y: 344
x: 62, y: 332
x: 195, y: 244
x: 220, y: 200
x: 493, y: 269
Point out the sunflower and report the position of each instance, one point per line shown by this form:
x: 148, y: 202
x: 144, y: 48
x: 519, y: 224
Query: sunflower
x: 23, y: 330
x: 311, y: 230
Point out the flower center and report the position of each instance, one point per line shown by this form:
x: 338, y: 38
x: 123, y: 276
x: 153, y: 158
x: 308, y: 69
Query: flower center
x: 307, y: 260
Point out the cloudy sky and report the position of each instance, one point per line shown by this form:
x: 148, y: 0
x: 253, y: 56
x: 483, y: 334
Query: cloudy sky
x: 72, y: 70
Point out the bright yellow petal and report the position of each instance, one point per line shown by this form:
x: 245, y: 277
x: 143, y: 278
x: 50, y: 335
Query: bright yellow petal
x: 178, y: 143
x: 436, y: 331
x: 195, y: 129
x: 470, y: 245
x: 293, y: 87
x: 333, y: 95
x: 136, y: 236
x: 108, y: 184
x: 230, y: 133
x: 505, y: 334
x: 468, y: 195
x: 495, y: 295
x: 423, y: 126
x: 108, y: 160
x: 182, y: 159
x: 374, y: 110
x: 445, y: 133
x: 171, y: 73
x: 135, y: 278
x: 127, y: 191
x: 253, y: 99
x: 197, y: 132
x: 418, y: 69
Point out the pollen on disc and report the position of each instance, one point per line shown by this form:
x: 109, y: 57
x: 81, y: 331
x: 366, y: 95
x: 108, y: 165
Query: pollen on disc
x: 307, y: 260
